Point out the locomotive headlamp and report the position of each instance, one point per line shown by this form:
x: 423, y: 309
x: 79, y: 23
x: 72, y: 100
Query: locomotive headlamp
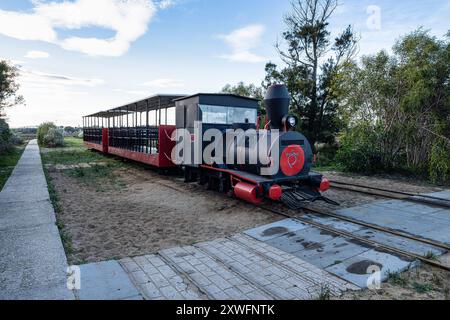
x: 292, y: 121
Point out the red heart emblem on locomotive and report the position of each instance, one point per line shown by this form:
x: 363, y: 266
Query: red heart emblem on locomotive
x: 292, y: 159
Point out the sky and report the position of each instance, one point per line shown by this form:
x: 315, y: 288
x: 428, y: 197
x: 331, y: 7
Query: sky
x: 77, y: 57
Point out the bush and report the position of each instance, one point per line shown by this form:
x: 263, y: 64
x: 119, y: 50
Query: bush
x: 360, y: 151
x: 439, y: 168
x: 5, y: 136
x: 16, y: 138
x: 54, y: 138
x: 43, y: 130
x: 326, y: 154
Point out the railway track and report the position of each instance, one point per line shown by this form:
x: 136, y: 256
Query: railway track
x: 392, y: 194
x: 375, y: 244
x: 372, y: 243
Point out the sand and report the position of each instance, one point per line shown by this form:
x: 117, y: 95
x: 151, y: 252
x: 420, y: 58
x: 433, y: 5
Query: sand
x: 146, y: 213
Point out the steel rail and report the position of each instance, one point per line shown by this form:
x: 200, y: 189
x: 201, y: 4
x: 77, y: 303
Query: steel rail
x: 379, y: 228
x: 354, y: 221
x: 393, y: 196
x: 372, y: 243
x: 346, y: 234
x: 389, y: 191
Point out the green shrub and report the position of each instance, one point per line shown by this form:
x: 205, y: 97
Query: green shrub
x: 326, y: 154
x: 43, y: 130
x: 54, y: 138
x: 5, y: 136
x: 360, y: 151
x: 16, y: 138
x: 439, y: 167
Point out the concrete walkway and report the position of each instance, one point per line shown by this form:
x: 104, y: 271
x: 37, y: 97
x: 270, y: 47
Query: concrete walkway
x: 32, y: 260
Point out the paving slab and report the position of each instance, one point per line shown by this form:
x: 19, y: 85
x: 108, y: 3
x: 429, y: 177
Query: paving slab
x: 428, y: 226
x: 212, y: 277
x: 156, y: 279
x: 33, y: 263
x: 280, y: 282
x: 358, y: 269
x: 337, y: 253
x: 400, y: 243
x: 331, y: 252
x: 335, y: 223
x: 312, y: 273
x: 38, y: 213
x: 106, y: 281
x: 310, y: 239
x: 442, y: 194
x: 276, y: 229
x: 441, y: 214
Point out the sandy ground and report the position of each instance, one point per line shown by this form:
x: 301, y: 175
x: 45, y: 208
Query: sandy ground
x: 146, y: 212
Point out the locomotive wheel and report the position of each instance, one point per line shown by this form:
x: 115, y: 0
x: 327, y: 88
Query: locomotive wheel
x: 207, y: 186
x: 203, y: 179
x: 224, y: 185
x: 189, y: 175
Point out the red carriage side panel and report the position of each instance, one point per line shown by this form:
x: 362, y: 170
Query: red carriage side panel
x: 166, y: 145
x: 105, y: 139
x: 95, y: 146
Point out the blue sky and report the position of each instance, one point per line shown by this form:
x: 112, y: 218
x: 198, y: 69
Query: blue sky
x: 82, y: 56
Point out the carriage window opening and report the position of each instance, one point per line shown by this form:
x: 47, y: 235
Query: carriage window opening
x: 227, y: 115
x: 214, y: 114
x: 171, y: 116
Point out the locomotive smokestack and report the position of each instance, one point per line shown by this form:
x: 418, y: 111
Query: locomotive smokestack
x: 277, y: 104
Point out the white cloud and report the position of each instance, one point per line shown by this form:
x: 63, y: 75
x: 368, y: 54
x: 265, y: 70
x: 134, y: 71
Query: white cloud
x: 35, y: 54
x: 164, y: 4
x: 128, y: 18
x: 164, y: 83
x: 134, y: 92
x: 242, y: 41
x: 37, y: 78
x: 24, y: 26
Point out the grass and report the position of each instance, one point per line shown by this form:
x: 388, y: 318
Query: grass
x: 325, y: 293
x: 8, y: 161
x: 397, y: 278
x: 72, y: 152
x: 423, y: 288
x: 102, y: 177
x: 99, y: 173
x: 55, y: 200
x: 324, y: 168
x: 431, y: 256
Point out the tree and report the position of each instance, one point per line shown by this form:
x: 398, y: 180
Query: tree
x: 9, y: 86
x: 250, y: 90
x: 69, y: 130
x: 312, y: 63
x: 404, y: 99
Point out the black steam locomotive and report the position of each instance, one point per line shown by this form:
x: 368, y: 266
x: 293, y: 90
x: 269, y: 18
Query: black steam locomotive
x: 281, y: 166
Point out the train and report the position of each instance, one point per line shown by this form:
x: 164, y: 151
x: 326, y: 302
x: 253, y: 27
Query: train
x: 250, y: 159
